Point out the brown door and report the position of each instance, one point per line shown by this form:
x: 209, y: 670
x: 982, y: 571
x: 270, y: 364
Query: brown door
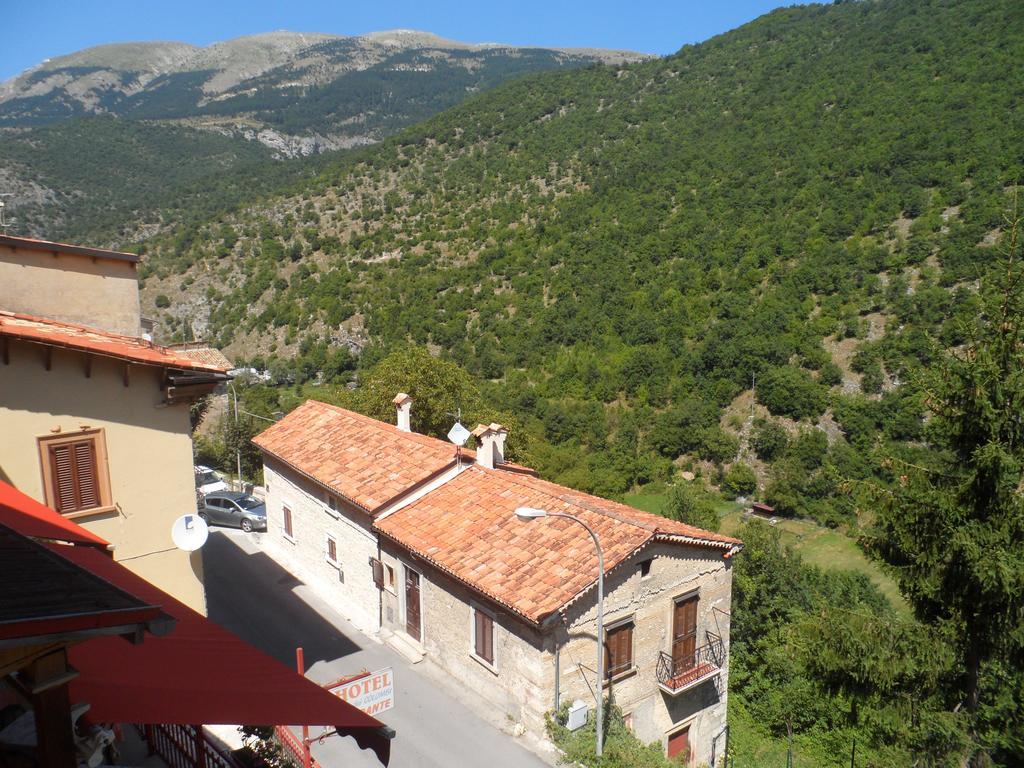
x: 684, y: 634
x: 412, y: 603
x: 679, y: 745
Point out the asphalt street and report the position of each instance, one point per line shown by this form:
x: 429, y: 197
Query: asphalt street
x: 248, y: 593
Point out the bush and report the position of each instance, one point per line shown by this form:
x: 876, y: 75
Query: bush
x: 621, y: 748
x: 162, y: 302
x: 740, y: 480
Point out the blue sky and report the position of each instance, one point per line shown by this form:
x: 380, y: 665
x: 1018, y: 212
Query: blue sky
x: 39, y: 29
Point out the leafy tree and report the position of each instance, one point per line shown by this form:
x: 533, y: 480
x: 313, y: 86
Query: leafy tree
x: 688, y: 505
x: 790, y: 391
x: 954, y: 530
x: 739, y: 480
x: 770, y: 439
x: 438, y: 387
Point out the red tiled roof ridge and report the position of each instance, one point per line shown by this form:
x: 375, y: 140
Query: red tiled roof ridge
x: 655, y: 524
x: 418, y: 437
x: 34, y: 328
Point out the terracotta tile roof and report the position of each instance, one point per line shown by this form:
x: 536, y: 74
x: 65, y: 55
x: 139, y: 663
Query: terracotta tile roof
x: 79, y: 337
x: 364, y: 460
x: 468, y: 528
x: 202, y: 352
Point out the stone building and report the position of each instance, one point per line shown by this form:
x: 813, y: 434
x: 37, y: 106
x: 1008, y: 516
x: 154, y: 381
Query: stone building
x: 421, y: 543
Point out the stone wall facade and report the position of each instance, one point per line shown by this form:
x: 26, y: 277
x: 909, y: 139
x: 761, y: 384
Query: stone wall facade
x: 348, y: 583
x: 528, y: 659
x: 520, y: 682
x: 674, y: 572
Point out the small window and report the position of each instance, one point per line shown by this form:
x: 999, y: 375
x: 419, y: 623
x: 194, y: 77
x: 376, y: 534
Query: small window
x: 74, y: 472
x: 332, y: 502
x: 645, y: 568
x: 331, y: 553
x: 618, y: 644
x: 287, y: 514
x: 389, y: 577
x: 483, y: 636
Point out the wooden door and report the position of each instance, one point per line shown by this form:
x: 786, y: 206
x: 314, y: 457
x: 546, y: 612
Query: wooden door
x: 684, y: 634
x: 412, y: 604
x: 679, y: 745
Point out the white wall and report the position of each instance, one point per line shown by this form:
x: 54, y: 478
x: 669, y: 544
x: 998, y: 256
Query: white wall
x: 350, y: 587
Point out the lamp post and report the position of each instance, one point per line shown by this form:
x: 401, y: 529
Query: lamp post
x: 529, y: 513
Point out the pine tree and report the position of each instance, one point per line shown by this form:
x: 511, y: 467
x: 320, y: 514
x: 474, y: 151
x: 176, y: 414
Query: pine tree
x: 954, y: 530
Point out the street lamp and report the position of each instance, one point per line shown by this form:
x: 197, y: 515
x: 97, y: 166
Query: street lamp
x: 529, y: 513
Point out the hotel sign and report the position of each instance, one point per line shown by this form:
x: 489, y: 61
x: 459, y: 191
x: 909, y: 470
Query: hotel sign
x: 373, y: 693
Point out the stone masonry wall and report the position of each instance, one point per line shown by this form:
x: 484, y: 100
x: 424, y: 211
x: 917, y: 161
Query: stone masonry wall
x: 675, y: 572
x: 349, y: 585
x: 521, y: 684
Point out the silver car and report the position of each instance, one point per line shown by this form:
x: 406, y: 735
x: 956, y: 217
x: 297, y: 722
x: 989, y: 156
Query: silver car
x: 238, y: 510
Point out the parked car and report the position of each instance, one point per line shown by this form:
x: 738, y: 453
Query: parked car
x: 208, y: 481
x: 238, y: 510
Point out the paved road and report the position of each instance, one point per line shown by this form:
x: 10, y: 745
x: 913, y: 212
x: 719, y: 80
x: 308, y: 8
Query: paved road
x: 248, y: 593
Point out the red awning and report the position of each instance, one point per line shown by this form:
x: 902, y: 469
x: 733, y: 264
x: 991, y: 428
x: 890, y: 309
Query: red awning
x: 199, y: 673
x: 28, y: 517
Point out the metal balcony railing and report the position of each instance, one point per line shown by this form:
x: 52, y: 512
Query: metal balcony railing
x: 685, y: 671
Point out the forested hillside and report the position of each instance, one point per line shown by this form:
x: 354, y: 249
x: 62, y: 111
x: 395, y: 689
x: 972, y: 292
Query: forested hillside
x: 109, y: 144
x: 739, y: 261
x: 806, y: 200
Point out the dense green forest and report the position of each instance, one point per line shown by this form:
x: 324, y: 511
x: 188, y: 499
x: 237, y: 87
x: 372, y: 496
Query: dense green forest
x: 108, y: 179
x: 744, y: 261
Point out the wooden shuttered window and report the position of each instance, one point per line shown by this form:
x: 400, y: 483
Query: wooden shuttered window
x: 483, y: 636
x: 287, y: 514
x: 74, y: 475
x: 618, y: 649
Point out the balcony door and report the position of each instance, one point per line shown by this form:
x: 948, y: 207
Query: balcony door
x: 684, y: 634
x: 412, y: 604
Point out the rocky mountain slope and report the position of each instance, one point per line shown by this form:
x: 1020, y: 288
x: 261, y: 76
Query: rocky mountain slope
x: 110, y: 144
x: 297, y: 93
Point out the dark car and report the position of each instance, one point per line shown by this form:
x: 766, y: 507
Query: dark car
x: 239, y: 510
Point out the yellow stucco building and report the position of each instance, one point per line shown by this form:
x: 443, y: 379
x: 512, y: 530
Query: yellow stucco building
x: 94, y: 420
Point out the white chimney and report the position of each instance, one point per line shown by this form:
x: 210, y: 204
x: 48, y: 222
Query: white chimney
x: 403, y: 403
x: 491, y: 449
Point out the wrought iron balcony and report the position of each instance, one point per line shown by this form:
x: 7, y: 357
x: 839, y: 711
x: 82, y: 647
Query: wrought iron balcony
x: 676, y: 675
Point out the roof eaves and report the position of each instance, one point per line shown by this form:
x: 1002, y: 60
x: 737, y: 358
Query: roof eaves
x: 31, y: 244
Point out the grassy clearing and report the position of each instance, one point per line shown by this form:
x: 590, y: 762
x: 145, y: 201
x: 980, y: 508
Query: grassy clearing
x: 820, y: 546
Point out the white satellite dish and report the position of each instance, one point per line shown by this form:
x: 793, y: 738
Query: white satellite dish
x: 189, y: 532
x: 458, y: 434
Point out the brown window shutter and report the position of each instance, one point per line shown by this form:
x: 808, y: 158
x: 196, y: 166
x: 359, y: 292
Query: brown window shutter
x: 484, y: 634
x: 489, y: 626
x: 75, y: 482
x: 85, y: 468
x: 378, y: 572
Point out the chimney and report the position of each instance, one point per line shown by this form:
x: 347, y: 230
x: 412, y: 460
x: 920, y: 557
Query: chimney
x: 491, y: 449
x: 403, y: 403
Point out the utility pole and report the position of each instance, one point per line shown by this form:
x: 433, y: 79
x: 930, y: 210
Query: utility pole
x: 238, y: 446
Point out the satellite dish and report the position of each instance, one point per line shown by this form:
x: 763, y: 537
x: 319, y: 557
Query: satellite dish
x: 458, y: 434
x: 189, y: 532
